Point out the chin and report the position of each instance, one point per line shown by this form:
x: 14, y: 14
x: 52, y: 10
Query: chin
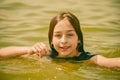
x: 66, y: 56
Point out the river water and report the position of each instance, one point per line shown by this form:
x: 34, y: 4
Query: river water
x: 25, y: 22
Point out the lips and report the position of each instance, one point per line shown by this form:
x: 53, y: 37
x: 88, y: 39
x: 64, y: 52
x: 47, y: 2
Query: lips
x: 64, y: 48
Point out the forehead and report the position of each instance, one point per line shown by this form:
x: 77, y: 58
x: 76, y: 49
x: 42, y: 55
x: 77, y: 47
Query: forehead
x: 63, y: 25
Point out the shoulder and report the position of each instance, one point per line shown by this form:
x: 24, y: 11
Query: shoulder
x: 102, y: 61
x: 98, y: 59
x: 106, y: 62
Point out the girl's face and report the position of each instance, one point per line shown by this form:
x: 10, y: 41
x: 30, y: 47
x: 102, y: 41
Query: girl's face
x: 65, y: 39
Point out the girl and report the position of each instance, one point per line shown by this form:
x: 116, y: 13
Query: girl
x: 65, y: 40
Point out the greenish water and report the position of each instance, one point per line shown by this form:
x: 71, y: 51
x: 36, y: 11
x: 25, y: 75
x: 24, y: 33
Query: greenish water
x: 25, y: 22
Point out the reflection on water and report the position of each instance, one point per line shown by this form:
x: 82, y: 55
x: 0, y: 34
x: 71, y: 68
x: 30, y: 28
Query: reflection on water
x: 23, y: 22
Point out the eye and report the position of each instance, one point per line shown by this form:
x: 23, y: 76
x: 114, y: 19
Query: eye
x: 57, y: 35
x: 70, y: 35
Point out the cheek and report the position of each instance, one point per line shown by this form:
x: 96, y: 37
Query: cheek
x: 55, y: 41
x: 74, y: 43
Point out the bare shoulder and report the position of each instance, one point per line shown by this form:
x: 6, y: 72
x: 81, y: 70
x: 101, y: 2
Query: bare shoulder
x: 98, y: 58
x: 106, y: 62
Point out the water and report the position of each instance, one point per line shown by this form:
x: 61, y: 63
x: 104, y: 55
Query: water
x: 25, y: 22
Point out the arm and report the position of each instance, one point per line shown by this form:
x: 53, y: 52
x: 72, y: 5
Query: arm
x: 39, y: 48
x: 13, y: 51
x: 106, y: 62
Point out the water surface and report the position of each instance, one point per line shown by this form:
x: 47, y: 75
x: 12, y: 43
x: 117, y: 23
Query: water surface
x: 25, y: 22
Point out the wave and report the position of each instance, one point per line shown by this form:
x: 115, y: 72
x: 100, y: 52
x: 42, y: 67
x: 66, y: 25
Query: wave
x: 18, y: 5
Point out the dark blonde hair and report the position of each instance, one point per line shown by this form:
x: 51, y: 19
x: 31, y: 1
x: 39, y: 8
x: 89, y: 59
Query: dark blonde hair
x: 74, y: 22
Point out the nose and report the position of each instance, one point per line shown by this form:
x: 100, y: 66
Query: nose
x: 63, y: 39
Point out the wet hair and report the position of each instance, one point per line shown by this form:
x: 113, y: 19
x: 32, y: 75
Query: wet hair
x: 74, y: 22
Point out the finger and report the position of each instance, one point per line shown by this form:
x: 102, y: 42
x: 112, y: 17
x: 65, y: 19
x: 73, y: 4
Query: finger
x: 32, y: 51
x: 45, y: 47
x: 40, y: 49
x: 39, y: 55
x: 43, y: 51
x: 37, y: 49
x: 49, y: 53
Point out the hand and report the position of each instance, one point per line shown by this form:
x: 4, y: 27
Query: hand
x: 40, y: 49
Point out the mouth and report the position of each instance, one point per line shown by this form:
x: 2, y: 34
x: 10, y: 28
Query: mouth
x: 65, y: 48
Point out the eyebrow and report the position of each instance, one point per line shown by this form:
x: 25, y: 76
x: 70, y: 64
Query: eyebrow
x: 67, y: 31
